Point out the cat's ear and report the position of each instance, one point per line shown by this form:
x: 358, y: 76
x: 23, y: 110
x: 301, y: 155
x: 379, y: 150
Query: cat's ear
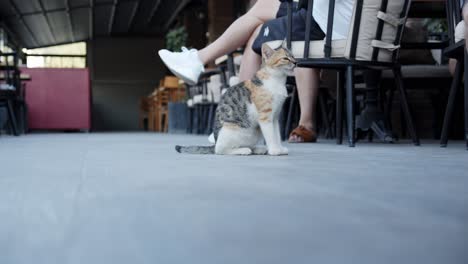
x: 284, y: 44
x: 267, y: 51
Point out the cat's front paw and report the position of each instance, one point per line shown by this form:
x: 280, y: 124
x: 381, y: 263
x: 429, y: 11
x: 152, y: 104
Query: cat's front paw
x: 260, y: 150
x: 278, y: 151
x: 284, y: 151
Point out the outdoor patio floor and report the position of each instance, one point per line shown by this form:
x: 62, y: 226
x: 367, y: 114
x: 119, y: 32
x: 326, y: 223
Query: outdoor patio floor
x: 130, y: 198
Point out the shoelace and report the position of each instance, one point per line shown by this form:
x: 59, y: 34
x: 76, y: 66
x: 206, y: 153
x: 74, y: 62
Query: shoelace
x: 186, y: 50
x: 192, y: 52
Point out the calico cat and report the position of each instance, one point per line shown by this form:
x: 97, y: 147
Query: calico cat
x: 251, y: 109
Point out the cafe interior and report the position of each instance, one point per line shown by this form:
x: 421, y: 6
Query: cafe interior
x: 90, y: 116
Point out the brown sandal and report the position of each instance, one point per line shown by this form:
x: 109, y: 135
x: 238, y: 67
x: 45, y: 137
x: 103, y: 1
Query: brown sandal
x: 308, y: 136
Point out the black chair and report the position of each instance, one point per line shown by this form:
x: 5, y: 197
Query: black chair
x: 359, y: 51
x: 9, y: 99
x: 201, y: 109
x: 456, y: 50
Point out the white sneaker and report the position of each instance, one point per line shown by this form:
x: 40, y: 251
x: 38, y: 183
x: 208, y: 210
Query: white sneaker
x: 185, y: 65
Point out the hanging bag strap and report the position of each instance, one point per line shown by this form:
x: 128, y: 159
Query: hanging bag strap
x: 392, y: 20
x: 384, y: 45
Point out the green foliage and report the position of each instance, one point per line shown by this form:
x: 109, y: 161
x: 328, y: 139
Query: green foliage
x: 176, y: 39
x: 436, y: 25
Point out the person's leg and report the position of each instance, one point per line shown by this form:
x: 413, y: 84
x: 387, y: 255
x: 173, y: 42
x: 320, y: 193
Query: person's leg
x: 239, y: 32
x: 189, y: 64
x: 307, y: 82
x: 251, y: 61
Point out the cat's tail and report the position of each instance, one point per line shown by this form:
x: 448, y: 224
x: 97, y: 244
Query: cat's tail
x: 196, y: 149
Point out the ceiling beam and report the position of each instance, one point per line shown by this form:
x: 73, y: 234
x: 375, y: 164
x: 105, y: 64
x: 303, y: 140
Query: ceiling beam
x: 47, y: 20
x: 70, y: 20
x: 153, y: 11
x: 112, y: 16
x: 20, y: 18
x: 175, y: 13
x: 77, y: 7
x: 132, y: 16
x: 13, y: 37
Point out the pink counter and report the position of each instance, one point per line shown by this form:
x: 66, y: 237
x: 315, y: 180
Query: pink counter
x: 58, y: 99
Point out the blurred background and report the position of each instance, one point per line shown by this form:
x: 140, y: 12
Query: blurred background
x: 115, y: 41
x: 92, y: 65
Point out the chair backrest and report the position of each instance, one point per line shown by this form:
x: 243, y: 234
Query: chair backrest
x: 376, y: 30
x: 162, y: 98
x: 145, y: 104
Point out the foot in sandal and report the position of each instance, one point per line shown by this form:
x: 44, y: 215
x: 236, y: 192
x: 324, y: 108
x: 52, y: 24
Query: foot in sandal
x: 301, y: 134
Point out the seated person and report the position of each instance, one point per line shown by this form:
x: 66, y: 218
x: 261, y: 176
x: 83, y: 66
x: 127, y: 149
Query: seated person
x: 307, y: 79
x: 188, y: 65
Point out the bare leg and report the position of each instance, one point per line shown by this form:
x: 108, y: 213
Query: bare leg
x: 451, y: 65
x: 251, y: 61
x: 240, y: 31
x: 307, y: 81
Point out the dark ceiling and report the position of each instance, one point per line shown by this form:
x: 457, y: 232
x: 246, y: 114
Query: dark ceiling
x: 39, y: 23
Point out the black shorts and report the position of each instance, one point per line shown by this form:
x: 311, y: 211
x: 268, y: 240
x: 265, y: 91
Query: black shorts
x: 276, y: 29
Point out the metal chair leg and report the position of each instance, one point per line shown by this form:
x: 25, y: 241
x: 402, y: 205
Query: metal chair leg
x: 25, y: 118
x: 465, y: 73
x: 196, y: 125
x: 350, y: 104
x: 451, y: 104
x: 210, y: 119
x: 323, y: 109
x: 206, y: 118
x: 389, y: 107
x: 405, y: 105
x: 339, y: 108
x: 22, y: 116
x: 12, y: 117
x: 189, y: 121
x: 385, y: 107
x: 292, y: 103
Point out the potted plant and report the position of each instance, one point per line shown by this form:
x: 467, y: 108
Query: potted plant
x: 176, y: 39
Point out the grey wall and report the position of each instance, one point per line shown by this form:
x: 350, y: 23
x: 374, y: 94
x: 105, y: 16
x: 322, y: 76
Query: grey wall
x: 122, y: 71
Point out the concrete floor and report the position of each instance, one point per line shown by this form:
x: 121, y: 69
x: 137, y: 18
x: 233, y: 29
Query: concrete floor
x: 130, y: 198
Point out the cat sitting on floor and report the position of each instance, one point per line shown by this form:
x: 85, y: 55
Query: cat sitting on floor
x: 251, y: 109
